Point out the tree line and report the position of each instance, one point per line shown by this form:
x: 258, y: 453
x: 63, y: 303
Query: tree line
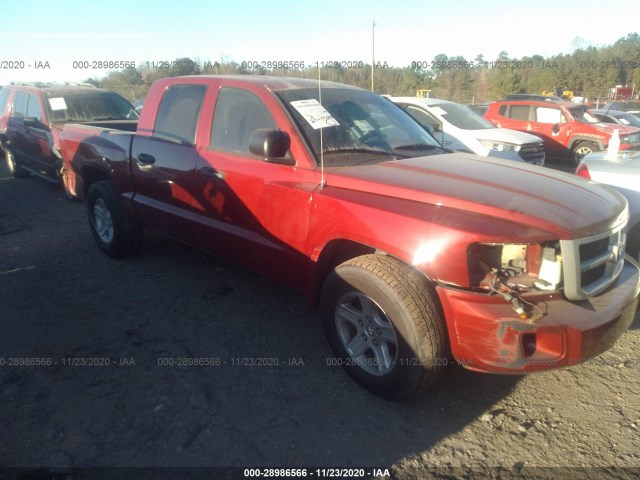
x: 588, y: 71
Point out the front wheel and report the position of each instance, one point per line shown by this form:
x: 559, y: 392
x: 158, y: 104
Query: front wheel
x: 582, y: 149
x: 115, y: 231
x: 14, y: 168
x: 384, y: 326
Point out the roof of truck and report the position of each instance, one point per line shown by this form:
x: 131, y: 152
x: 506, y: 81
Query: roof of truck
x: 269, y: 82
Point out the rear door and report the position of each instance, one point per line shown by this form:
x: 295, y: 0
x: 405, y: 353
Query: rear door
x: 163, y: 164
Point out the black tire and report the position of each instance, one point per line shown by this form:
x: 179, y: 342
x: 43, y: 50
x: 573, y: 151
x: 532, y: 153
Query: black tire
x: 14, y: 167
x: 117, y: 233
x: 381, y: 296
x: 583, y: 148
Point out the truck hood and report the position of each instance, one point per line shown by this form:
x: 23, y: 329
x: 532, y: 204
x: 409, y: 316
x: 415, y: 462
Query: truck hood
x: 504, y: 135
x: 564, y: 204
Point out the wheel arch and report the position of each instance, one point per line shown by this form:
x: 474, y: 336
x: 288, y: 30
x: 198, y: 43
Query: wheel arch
x: 576, y: 140
x: 89, y: 175
x: 336, y: 252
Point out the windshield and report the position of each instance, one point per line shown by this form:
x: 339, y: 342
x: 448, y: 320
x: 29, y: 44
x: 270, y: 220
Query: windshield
x: 89, y: 106
x: 583, y: 116
x: 628, y: 119
x: 460, y: 116
x: 357, y: 126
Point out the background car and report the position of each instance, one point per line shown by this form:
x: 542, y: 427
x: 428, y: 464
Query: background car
x: 479, y: 108
x: 616, y: 116
x: 459, y: 128
x: 623, y: 175
x: 567, y: 129
x: 624, y: 106
x: 34, y: 114
x: 533, y: 96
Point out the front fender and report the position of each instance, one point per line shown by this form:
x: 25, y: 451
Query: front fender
x: 432, y: 238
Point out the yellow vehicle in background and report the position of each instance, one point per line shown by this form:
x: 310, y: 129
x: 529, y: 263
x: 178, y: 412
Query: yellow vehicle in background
x: 563, y: 93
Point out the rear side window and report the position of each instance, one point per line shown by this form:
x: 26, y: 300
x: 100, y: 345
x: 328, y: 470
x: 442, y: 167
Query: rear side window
x: 33, y: 108
x: 519, y: 112
x: 4, y: 101
x: 20, y: 104
x: 237, y: 115
x: 177, y: 117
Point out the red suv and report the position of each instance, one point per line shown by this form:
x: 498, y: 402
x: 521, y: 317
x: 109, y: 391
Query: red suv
x: 566, y: 128
x: 32, y: 116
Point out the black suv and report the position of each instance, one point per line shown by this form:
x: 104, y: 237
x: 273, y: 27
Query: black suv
x: 33, y: 114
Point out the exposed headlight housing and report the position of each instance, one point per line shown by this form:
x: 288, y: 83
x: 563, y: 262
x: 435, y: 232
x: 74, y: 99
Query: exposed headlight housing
x: 522, y: 267
x: 500, y: 146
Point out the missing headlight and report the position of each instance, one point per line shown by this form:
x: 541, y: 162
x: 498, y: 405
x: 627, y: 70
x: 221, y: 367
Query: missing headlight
x: 522, y: 267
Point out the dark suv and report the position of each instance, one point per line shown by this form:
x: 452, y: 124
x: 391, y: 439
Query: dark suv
x: 33, y: 114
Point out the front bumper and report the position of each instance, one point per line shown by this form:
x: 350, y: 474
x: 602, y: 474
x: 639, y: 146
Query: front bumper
x: 486, y: 335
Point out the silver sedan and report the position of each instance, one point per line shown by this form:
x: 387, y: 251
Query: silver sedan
x: 623, y: 174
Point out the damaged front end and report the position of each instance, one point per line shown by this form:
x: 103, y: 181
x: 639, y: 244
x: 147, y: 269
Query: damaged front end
x: 541, y: 305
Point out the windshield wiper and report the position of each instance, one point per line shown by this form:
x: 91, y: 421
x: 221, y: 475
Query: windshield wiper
x: 98, y: 119
x: 360, y: 150
x: 418, y: 146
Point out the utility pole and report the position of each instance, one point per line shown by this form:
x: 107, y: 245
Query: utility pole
x: 373, y: 49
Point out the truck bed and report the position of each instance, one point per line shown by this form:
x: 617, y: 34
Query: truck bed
x: 82, y: 145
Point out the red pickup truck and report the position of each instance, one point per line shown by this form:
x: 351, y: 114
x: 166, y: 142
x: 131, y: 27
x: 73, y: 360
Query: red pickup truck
x: 417, y: 257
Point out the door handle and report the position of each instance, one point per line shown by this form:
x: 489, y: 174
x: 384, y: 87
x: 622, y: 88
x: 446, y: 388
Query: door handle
x: 146, y: 158
x: 212, y: 173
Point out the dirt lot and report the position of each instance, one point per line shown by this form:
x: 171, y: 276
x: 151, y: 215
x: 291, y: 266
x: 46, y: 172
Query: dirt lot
x: 62, y: 300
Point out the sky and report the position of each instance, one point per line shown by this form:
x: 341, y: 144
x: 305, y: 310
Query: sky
x: 55, y: 34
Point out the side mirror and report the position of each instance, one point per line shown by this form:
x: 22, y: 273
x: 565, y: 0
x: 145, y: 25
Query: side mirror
x: 272, y: 145
x: 437, y: 127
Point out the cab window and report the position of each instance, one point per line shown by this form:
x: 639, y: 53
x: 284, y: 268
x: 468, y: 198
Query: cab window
x: 237, y: 115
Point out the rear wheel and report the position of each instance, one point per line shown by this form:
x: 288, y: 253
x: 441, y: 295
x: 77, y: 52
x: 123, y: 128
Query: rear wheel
x: 16, y: 170
x: 384, y: 326
x: 115, y: 231
x: 584, y: 148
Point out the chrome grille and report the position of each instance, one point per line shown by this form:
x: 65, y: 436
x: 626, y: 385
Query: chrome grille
x: 631, y: 138
x: 592, y: 264
x: 593, y: 249
x: 532, y: 152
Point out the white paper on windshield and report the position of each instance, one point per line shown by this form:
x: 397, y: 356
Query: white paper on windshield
x: 314, y: 113
x: 57, y: 103
x: 439, y: 111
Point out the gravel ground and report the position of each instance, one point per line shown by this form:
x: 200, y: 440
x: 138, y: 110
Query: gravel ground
x: 137, y: 405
